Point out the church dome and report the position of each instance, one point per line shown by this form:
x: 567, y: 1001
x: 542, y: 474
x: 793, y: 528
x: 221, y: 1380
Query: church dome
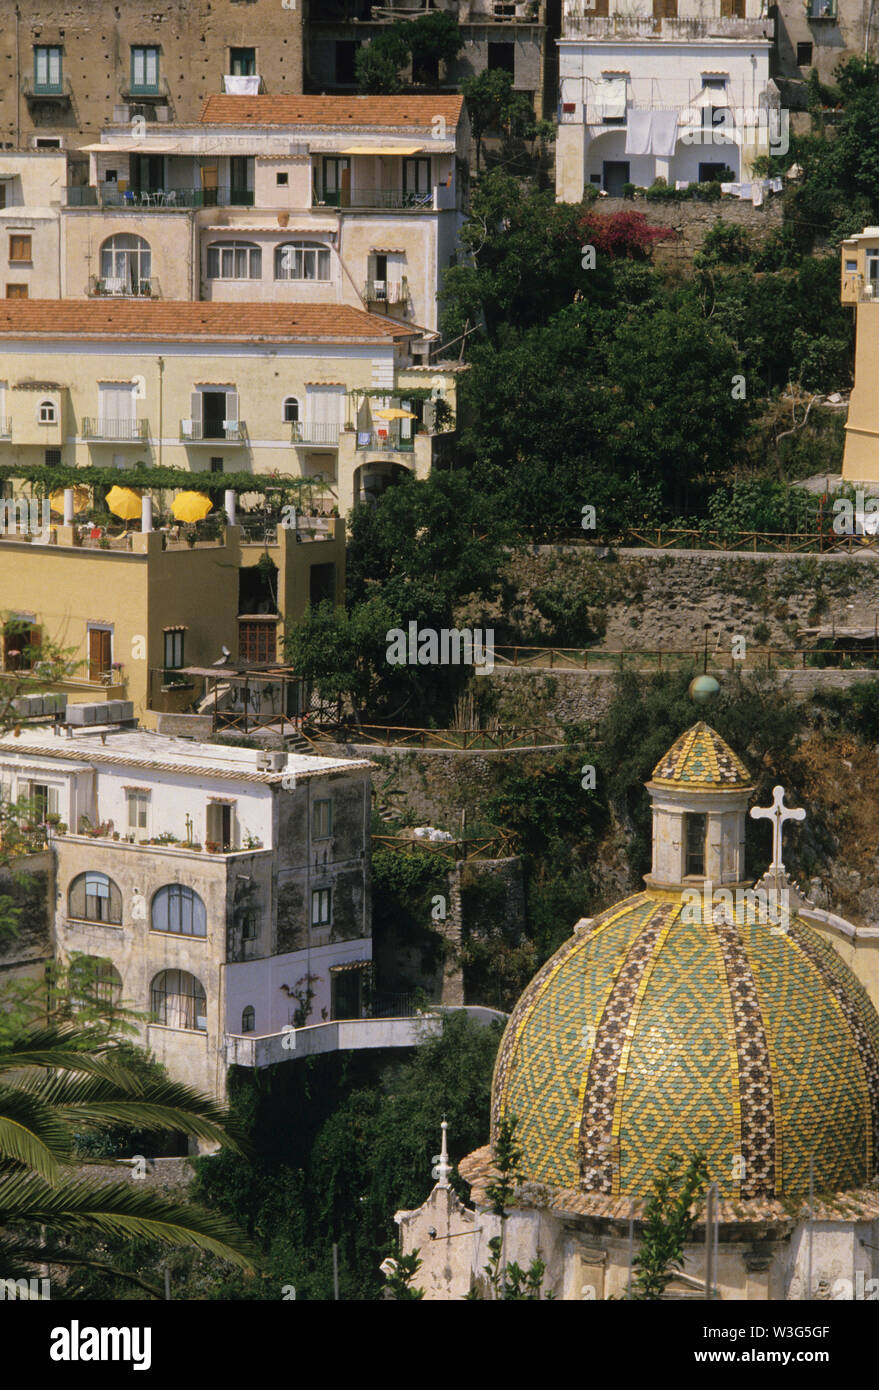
x: 674, y: 1021
x: 653, y: 1031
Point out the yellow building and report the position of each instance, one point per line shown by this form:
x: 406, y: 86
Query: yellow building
x: 32, y: 194
x: 860, y: 288
x: 134, y: 615
x: 292, y: 388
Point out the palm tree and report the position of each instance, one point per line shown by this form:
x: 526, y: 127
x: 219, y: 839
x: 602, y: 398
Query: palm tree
x: 61, y: 1080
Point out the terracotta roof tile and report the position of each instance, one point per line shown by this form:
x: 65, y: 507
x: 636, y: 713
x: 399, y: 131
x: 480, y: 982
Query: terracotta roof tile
x: 382, y: 112
x: 162, y: 319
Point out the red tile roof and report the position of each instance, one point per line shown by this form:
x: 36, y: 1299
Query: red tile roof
x: 163, y: 319
x: 378, y: 111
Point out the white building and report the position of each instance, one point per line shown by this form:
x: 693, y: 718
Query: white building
x: 227, y: 888
x: 679, y: 98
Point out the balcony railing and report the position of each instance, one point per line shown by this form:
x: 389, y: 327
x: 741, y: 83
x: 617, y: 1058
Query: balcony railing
x: 58, y: 92
x: 375, y: 198
x: 386, y: 291
x: 110, y: 195
x: 321, y: 433
x: 388, y: 441
x: 229, y: 432
x: 120, y: 287
x: 114, y: 430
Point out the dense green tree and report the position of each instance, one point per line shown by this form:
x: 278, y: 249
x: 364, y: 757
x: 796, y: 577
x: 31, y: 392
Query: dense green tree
x: 426, y: 40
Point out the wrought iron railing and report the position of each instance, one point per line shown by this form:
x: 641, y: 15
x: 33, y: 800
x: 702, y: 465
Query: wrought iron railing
x: 97, y: 428
x: 196, y: 432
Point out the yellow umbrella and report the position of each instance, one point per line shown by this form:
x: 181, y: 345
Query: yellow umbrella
x: 81, y: 499
x: 394, y: 414
x: 191, y: 506
x: 124, y: 502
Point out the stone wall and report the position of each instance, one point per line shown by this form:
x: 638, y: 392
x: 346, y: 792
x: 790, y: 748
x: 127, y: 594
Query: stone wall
x: 655, y: 600
x: 194, y: 38
x: 692, y: 219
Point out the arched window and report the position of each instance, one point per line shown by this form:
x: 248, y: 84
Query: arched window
x: 291, y: 410
x: 48, y: 413
x: 234, y: 260
x: 248, y: 1019
x: 94, y: 981
x: 93, y: 897
x: 126, y: 262
x: 180, y: 910
x: 302, y: 260
x: 179, y: 1000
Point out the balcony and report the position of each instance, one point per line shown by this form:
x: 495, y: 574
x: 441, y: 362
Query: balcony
x: 303, y: 432
x: 821, y: 9
x: 229, y: 432
x: 388, y: 441
x: 5, y: 427
x: 110, y: 195
x: 580, y: 24
x: 120, y: 287
x: 386, y: 291
x: 377, y: 198
x: 115, y: 431
x: 54, y: 93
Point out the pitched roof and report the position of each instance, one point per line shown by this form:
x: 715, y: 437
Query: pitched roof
x: 700, y: 760
x: 193, y: 321
x: 380, y: 112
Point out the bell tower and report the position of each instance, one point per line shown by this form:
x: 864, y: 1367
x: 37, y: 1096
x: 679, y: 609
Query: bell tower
x: 699, y: 793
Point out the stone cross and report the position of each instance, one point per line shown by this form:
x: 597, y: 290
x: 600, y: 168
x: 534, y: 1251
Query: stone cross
x: 778, y: 813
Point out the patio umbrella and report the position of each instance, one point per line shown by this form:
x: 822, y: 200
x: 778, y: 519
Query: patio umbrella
x: 394, y: 414
x: 124, y: 502
x: 81, y: 499
x: 191, y: 506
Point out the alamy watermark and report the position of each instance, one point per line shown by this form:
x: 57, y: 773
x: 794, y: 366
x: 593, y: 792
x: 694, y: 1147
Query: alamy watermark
x: 726, y: 906
x: 761, y: 128
x: 429, y: 646
x: 25, y: 516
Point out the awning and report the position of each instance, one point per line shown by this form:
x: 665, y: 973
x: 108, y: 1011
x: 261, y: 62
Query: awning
x: 350, y: 965
x: 383, y: 149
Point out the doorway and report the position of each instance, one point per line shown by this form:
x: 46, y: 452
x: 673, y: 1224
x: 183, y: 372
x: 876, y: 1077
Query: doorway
x: 100, y: 653
x: 614, y: 176
x: 213, y: 405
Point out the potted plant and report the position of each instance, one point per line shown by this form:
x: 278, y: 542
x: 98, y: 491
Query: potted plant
x: 212, y: 846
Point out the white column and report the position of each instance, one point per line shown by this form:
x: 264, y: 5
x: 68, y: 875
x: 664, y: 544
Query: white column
x: 68, y: 506
x: 146, y: 513
x: 229, y: 505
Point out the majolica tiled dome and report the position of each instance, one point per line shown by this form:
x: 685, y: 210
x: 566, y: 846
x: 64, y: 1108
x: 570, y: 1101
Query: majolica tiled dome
x: 650, y: 1032
x: 700, y: 760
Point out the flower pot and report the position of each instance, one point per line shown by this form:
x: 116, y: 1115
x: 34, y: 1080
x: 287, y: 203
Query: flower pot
x: 283, y: 219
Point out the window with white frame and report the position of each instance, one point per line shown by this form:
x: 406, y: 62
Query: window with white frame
x: 48, y: 413
x: 137, y: 802
x: 322, y: 819
x: 321, y: 907
x: 302, y: 260
x: 291, y: 410
x: 234, y: 260
x: 42, y: 800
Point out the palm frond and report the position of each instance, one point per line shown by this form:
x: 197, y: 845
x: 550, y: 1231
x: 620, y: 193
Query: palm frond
x: 88, y: 1102
x: 32, y: 1132
x: 19, y: 1258
x: 83, y: 1206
